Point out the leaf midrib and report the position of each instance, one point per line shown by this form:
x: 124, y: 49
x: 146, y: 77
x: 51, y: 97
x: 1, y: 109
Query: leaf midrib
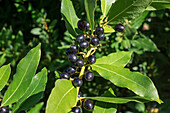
x: 121, y: 76
x: 21, y: 80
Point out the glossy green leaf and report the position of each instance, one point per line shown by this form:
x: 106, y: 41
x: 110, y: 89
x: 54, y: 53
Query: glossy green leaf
x: 122, y: 77
x: 62, y: 98
x: 90, y: 6
x: 69, y: 16
x: 25, y: 71
x: 103, y: 107
x: 108, y: 29
x: 126, y: 9
x: 117, y: 59
x: 159, y: 4
x: 37, y: 85
x: 106, y: 5
x: 36, y: 108
x: 119, y: 100
x: 4, y: 75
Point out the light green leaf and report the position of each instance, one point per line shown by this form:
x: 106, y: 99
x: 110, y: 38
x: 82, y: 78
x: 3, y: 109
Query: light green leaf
x: 106, y: 5
x: 108, y: 29
x: 25, y: 71
x: 36, y: 31
x: 37, y: 85
x: 119, y: 100
x: 102, y: 107
x: 62, y: 98
x: 90, y: 6
x: 36, y: 108
x: 57, y: 74
x: 69, y: 16
x: 159, y: 4
x: 4, y: 75
x: 126, y: 9
x: 117, y: 59
x: 122, y: 77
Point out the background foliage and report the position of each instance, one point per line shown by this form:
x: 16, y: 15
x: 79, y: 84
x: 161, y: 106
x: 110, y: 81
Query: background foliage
x: 24, y: 24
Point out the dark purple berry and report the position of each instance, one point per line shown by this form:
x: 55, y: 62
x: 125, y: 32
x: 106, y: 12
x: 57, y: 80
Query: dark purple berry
x: 64, y: 76
x: 80, y: 62
x: 88, y: 105
x: 81, y: 25
x: 4, y: 109
x: 87, y: 25
x: 74, y: 49
x: 68, y: 51
x: 80, y: 95
x: 101, y: 37
x: 99, y: 31
x: 71, y: 70
x: 88, y: 39
x: 92, y: 59
x: 89, y: 76
x: 72, y: 58
x: 84, y: 44
x: 76, y: 110
x: 95, y: 41
x: 119, y: 28
x: 77, y: 82
x: 80, y: 38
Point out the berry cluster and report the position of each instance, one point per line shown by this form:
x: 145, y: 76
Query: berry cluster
x: 4, y: 109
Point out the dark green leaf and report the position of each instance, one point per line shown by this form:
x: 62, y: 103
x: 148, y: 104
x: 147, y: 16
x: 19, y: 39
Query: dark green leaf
x: 36, y: 108
x: 4, y: 75
x: 106, y: 5
x: 62, y: 97
x: 122, y: 77
x: 159, y: 4
x: 126, y: 9
x: 69, y: 16
x: 25, y: 71
x: 90, y: 6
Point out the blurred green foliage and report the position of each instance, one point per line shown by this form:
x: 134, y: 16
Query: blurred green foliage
x: 25, y: 23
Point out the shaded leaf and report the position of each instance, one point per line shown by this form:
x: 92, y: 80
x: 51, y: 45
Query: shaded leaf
x: 90, y: 6
x: 106, y: 5
x: 69, y: 16
x: 4, y: 75
x: 117, y: 59
x: 65, y: 96
x: 159, y: 4
x: 36, y: 108
x: 122, y: 77
x: 25, y: 71
x: 126, y: 9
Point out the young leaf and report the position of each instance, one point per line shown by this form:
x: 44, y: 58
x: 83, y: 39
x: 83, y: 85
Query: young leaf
x: 69, y: 16
x: 90, y: 6
x: 4, y: 75
x: 117, y: 59
x: 106, y: 5
x: 138, y: 83
x: 25, y: 71
x: 159, y: 4
x: 108, y: 29
x: 36, y: 109
x: 37, y: 85
x: 119, y: 100
x: 62, y: 98
x: 102, y: 107
x: 126, y: 9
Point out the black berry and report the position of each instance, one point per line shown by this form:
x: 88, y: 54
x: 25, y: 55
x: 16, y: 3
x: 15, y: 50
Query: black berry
x: 80, y: 38
x: 71, y: 70
x: 68, y: 51
x: 92, y: 59
x: 80, y: 62
x: 99, y: 31
x: 80, y: 95
x: 88, y: 105
x: 119, y: 28
x: 64, y: 76
x: 77, y: 82
x: 87, y: 25
x: 4, y: 110
x: 81, y: 25
x: 84, y: 44
x: 89, y: 76
x: 76, y: 110
x: 88, y: 39
x: 72, y: 58
x: 74, y: 49
x: 95, y: 41
x: 101, y: 37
